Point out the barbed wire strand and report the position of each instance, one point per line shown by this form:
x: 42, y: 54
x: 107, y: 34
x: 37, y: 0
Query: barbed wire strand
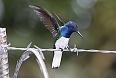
x: 65, y: 50
x: 40, y: 57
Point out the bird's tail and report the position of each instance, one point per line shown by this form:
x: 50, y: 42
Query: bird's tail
x: 56, y: 59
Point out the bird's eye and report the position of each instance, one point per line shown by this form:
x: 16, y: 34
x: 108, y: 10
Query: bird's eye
x: 70, y: 26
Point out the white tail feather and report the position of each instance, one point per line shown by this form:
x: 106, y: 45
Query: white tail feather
x: 56, y: 59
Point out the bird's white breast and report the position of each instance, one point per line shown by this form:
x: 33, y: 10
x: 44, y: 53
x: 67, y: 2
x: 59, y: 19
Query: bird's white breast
x: 62, y: 42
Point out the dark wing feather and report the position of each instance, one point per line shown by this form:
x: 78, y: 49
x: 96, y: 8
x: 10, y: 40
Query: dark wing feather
x: 59, y: 19
x: 47, y: 19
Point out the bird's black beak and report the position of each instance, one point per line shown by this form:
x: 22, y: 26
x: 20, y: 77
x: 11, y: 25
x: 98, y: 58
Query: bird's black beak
x: 80, y: 34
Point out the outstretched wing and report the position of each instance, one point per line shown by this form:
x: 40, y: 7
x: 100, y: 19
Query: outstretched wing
x: 47, y: 19
x: 59, y: 19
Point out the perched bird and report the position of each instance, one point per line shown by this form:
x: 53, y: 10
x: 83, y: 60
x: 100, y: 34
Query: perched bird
x: 61, y: 34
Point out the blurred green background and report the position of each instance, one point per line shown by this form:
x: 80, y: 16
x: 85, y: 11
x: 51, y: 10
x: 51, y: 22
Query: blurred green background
x: 96, y: 21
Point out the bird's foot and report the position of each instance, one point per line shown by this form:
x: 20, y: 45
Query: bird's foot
x: 61, y: 49
x: 67, y: 47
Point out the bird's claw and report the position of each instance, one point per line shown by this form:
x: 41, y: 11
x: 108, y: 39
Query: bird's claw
x: 61, y: 49
x: 68, y: 48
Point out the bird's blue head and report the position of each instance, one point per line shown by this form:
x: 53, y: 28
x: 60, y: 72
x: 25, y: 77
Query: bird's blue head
x: 69, y: 28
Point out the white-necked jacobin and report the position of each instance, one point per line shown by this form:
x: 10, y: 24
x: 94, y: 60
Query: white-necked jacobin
x: 61, y: 34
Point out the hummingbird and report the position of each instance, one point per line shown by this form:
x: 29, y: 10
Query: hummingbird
x: 61, y: 34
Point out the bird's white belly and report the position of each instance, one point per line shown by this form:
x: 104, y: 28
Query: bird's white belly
x: 62, y: 42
